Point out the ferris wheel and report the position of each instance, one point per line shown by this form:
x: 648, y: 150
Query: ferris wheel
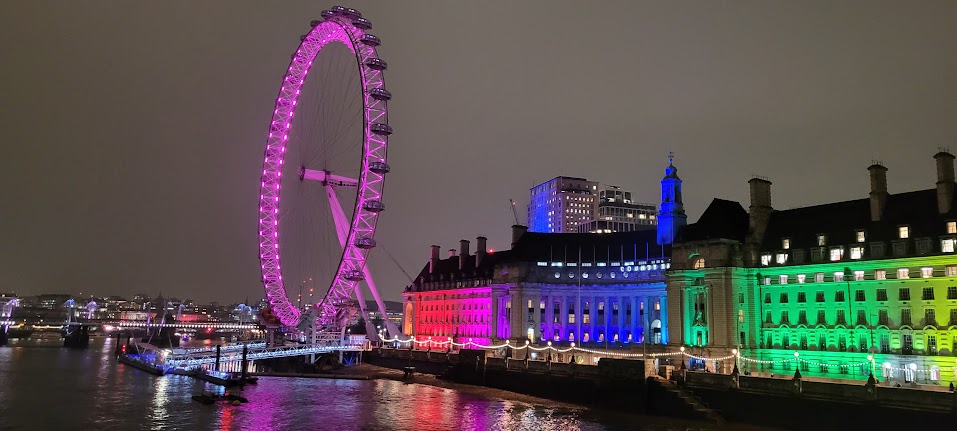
x: 327, y: 144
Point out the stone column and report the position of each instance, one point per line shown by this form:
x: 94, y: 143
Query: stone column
x: 549, y: 317
x: 664, y: 319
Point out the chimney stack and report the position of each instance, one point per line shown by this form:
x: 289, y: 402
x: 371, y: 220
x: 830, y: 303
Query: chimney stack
x: 463, y: 252
x: 517, y: 232
x: 945, y: 181
x: 480, y: 250
x: 434, y: 259
x: 878, y: 190
x: 759, y: 213
x: 451, y: 252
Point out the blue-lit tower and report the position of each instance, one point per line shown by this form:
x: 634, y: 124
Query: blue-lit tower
x: 671, y: 213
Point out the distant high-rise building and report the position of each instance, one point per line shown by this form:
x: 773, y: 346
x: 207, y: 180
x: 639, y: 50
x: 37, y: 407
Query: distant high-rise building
x: 570, y: 204
x: 617, y: 212
x: 561, y: 204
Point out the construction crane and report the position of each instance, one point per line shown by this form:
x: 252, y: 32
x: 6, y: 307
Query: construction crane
x: 514, y: 211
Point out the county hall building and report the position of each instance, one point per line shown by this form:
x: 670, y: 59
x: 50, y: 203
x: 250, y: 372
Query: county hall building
x: 867, y: 285
x: 592, y: 289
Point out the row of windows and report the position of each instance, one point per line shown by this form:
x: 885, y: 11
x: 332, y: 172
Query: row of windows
x: 880, y: 274
x: 877, y: 250
x: 864, y: 318
x: 903, y: 294
x: 903, y: 232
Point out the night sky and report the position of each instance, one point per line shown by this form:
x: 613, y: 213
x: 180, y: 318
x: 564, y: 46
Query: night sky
x: 132, y: 132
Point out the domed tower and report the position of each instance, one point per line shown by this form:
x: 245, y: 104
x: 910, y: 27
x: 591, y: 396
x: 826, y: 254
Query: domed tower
x: 671, y: 213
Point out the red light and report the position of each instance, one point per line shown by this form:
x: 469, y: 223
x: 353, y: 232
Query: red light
x: 123, y: 348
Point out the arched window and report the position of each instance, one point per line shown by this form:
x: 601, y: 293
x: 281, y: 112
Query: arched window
x: 698, y: 263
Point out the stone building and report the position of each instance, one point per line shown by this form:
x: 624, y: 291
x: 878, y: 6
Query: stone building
x: 589, y: 289
x: 850, y: 288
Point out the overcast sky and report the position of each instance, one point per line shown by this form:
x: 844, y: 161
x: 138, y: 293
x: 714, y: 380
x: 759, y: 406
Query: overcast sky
x: 132, y: 132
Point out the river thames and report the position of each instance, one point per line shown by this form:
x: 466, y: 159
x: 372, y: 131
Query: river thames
x: 46, y: 387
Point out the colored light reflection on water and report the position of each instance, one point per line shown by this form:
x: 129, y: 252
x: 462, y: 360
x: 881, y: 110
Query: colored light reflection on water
x: 57, y: 388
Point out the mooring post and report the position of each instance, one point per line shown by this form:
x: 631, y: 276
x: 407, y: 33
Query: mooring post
x: 217, y: 356
x: 245, y: 353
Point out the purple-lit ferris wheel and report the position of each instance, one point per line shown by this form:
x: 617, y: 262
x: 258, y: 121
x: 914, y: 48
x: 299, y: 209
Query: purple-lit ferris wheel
x: 326, y: 144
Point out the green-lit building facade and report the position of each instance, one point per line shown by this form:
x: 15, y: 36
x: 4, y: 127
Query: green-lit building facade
x: 858, y: 286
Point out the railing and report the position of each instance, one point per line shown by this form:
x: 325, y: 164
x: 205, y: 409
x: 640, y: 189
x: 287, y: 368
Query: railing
x: 196, y: 360
x: 223, y: 348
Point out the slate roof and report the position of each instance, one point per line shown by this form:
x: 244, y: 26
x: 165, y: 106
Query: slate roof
x: 840, y: 221
x: 723, y: 219
x: 545, y: 247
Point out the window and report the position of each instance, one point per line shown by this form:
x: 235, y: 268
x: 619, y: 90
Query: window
x: 882, y: 317
x: 903, y: 273
x: 859, y: 295
x: 858, y: 275
x: 801, y: 278
x: 947, y: 245
x: 819, y: 277
x: 841, y: 320
x: 905, y: 316
x: 880, y: 274
x: 802, y: 297
x: 767, y: 281
x: 930, y: 317
x: 767, y: 318
x: 926, y: 272
x: 781, y: 258
x: 785, y: 243
x: 785, y: 320
x: 951, y: 292
x: 839, y: 276
x: 903, y: 232
x: 860, y: 236
x: 877, y: 249
x: 857, y: 252
x: 923, y: 246
x: 950, y: 270
x: 861, y: 318
x: 837, y: 253
x: 798, y: 256
x: 699, y: 263
x: 821, y: 318
x: 767, y: 298
x: 765, y: 259
x: 784, y: 298
x: 802, y: 317
x: 819, y: 296
x: 900, y: 248
x: 953, y: 316
x: 952, y: 227
x: 783, y: 279
x: 903, y: 294
x: 821, y: 239
x: 839, y: 296
x: 882, y: 294
x: 927, y: 294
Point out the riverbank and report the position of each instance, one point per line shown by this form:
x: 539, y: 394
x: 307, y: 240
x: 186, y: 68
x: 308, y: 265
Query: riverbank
x: 374, y: 372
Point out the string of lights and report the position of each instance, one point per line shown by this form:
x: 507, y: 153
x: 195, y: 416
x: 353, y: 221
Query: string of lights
x: 681, y: 352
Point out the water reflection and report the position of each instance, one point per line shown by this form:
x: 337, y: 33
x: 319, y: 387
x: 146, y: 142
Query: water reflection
x: 87, y: 389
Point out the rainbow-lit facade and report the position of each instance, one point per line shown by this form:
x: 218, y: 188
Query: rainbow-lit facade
x: 854, y: 287
x: 561, y: 288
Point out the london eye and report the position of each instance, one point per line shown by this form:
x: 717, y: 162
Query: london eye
x: 323, y: 174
